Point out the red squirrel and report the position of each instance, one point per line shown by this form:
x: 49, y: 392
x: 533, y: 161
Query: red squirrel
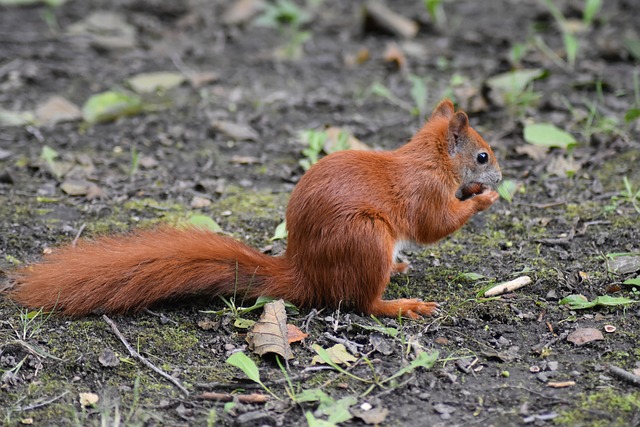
x: 347, y: 218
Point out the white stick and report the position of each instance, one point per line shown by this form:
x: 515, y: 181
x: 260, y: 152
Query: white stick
x: 509, y: 286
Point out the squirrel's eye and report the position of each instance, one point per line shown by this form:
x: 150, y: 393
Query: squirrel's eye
x: 483, y: 158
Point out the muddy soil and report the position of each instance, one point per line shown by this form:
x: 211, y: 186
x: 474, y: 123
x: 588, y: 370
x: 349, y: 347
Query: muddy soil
x: 502, y: 361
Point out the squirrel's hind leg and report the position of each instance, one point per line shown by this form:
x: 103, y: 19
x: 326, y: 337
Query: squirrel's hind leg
x: 412, y: 308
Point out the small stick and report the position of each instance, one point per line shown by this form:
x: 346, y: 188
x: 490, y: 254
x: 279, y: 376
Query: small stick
x: 509, y: 286
x: 163, y: 318
x: 75, y: 240
x: 538, y: 347
x: 561, y: 384
x: 228, y: 397
x: 303, y: 376
x: 44, y: 403
x: 141, y: 357
x: 624, y: 375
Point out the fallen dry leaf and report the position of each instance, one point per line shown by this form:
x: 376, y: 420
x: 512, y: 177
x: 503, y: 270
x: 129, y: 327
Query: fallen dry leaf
x: 470, y: 98
x: 536, y: 152
x: 75, y: 187
x: 374, y: 416
x: 625, y: 264
x: 155, y: 81
x: 200, y: 202
x: 269, y: 334
x: 333, y: 138
x: 235, y: 131
x: 584, y: 335
x: 563, y: 166
x: 207, y: 324
x: 338, y: 355
x: 148, y: 162
x: 395, y: 55
x: 106, y: 30
x: 57, y: 109
x: 88, y: 399
x: 295, y: 334
x: 244, y: 160
x: 202, y: 78
x: 242, y: 11
x: 108, y: 358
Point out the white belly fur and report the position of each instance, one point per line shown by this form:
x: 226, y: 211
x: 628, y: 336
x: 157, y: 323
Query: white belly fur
x: 401, y: 245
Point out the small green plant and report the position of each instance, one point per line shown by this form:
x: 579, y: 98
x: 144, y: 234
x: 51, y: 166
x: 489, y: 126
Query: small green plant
x: 569, y: 40
x: 31, y: 323
x: 517, y: 53
x: 580, y: 302
x: 436, y: 12
x: 514, y: 89
x: 418, y: 92
x: 507, y: 189
x: 238, y: 311
x: 594, y: 122
x: 571, y: 43
x: 632, y: 282
x: 49, y: 155
x: 633, y: 113
x: 336, y: 410
x: 316, y: 142
x: 250, y: 369
x: 314, y: 145
x: 628, y: 195
x: 135, y: 161
x: 419, y: 95
x: 288, y: 18
x: 590, y: 10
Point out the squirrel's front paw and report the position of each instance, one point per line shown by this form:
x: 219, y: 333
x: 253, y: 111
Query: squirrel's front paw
x: 485, y: 199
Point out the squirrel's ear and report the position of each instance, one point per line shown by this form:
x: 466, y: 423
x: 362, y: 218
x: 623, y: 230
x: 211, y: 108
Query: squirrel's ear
x: 443, y: 109
x: 458, y: 126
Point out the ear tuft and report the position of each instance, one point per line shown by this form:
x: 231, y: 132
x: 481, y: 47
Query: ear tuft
x: 458, y: 124
x: 443, y: 109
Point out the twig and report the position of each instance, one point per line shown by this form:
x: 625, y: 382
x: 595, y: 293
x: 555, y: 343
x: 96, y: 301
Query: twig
x: 228, y: 397
x: 180, y: 65
x: 163, y: 318
x: 350, y: 345
x: 538, y: 347
x: 621, y: 374
x: 544, y: 205
x: 75, y: 240
x: 304, y: 375
x: 140, y: 357
x: 509, y: 286
x: 44, y: 403
x: 396, y: 387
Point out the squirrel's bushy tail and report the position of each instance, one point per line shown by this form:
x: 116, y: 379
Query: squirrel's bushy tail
x: 132, y: 272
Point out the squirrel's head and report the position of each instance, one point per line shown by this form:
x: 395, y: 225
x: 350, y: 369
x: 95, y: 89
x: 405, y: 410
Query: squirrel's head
x: 472, y: 159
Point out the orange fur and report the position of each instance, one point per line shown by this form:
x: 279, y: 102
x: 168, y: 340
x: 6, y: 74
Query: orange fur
x: 345, y: 218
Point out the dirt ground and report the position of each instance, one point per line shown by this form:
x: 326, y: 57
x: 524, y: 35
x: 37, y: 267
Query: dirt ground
x: 502, y: 361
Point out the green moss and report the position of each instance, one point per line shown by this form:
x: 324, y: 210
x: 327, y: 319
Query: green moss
x: 617, y: 409
x: 612, y: 171
x: 255, y: 205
